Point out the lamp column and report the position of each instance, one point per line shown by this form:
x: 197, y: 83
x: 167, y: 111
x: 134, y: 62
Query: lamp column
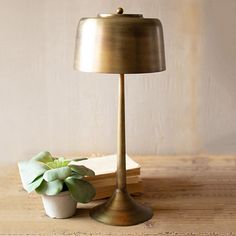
x: 121, y: 150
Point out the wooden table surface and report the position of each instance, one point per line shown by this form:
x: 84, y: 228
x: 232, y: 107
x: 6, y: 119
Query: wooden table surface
x: 190, y: 196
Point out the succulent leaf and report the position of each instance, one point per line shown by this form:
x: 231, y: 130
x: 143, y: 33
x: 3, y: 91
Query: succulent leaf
x: 81, y: 190
x: 58, y: 163
x: 76, y: 176
x: 43, y: 157
x: 82, y: 170
x: 30, y: 170
x: 59, y: 173
x: 50, y: 188
x: 35, y: 184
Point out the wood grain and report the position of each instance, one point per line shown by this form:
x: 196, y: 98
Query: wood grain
x: 190, y: 196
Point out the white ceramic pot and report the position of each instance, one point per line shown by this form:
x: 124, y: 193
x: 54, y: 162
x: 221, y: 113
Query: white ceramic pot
x: 59, y: 206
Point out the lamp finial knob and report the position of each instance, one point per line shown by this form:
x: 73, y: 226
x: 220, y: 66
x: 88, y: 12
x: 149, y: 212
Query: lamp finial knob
x: 119, y: 10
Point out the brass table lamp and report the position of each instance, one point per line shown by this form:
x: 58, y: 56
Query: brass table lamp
x: 120, y: 44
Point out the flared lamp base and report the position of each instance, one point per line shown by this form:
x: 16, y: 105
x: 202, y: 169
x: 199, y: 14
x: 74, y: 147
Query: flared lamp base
x: 121, y: 210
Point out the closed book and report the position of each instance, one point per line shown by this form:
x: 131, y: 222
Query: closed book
x: 106, y: 166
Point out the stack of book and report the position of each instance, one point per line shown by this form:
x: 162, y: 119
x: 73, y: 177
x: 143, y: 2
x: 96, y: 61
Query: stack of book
x: 104, y: 180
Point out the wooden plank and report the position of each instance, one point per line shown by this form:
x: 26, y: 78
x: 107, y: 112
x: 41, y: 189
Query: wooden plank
x: 190, y: 196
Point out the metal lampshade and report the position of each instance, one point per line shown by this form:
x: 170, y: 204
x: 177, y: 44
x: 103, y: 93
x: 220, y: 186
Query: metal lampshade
x: 120, y: 44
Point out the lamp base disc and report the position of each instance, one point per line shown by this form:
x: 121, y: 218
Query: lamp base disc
x: 121, y: 210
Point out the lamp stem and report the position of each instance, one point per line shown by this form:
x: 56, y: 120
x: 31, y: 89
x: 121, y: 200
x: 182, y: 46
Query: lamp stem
x: 121, y: 151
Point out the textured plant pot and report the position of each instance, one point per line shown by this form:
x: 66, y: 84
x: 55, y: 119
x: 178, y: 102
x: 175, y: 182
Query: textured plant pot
x: 59, y: 206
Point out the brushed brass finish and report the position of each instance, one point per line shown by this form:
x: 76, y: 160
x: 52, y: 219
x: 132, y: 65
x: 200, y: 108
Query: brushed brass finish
x: 119, y: 44
x: 121, y: 209
x: 121, y: 149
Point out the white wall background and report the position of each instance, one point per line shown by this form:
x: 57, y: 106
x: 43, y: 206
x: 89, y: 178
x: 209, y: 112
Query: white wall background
x: 45, y: 105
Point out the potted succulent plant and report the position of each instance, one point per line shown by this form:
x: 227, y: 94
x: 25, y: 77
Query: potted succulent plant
x: 61, y: 184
